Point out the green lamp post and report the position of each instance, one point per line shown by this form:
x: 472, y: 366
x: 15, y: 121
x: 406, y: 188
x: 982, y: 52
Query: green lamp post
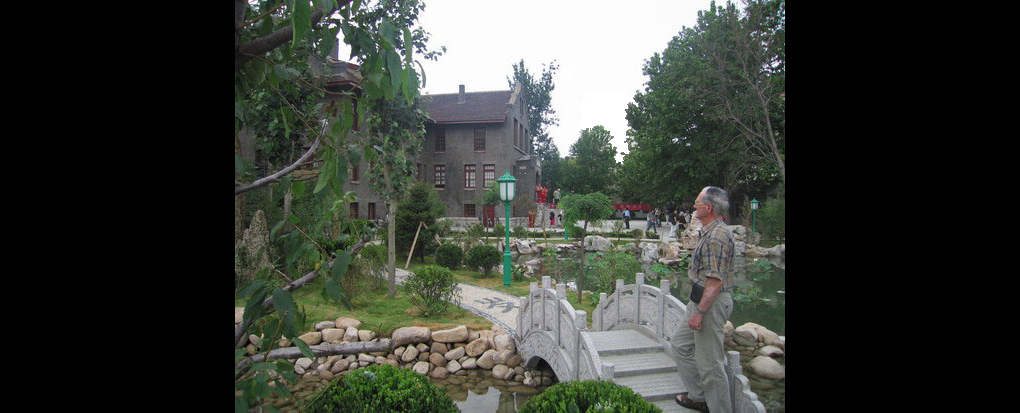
x: 754, y: 210
x: 507, y: 185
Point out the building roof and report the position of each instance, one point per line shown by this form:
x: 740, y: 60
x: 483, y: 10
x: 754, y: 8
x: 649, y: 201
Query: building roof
x: 477, y: 107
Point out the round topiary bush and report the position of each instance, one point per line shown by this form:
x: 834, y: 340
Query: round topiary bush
x: 484, y: 256
x: 576, y: 232
x: 381, y: 388
x: 588, y: 396
x: 449, y: 256
x: 431, y: 289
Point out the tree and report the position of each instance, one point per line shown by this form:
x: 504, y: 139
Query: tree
x: 592, y: 165
x: 683, y: 131
x: 538, y: 101
x: 280, y: 51
x: 576, y: 207
x: 421, y: 205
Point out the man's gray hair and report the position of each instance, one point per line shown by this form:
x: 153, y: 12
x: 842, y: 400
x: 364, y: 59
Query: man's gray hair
x: 718, y: 198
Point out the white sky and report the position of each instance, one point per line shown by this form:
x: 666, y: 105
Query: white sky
x: 600, y: 47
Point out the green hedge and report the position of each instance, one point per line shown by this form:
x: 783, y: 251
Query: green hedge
x: 431, y: 289
x: 485, y: 256
x: 381, y: 388
x: 450, y: 256
x: 588, y: 396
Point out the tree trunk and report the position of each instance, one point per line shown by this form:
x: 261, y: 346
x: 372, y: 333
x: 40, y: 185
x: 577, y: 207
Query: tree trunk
x: 238, y: 200
x: 321, y: 350
x: 584, y: 262
x: 391, y: 230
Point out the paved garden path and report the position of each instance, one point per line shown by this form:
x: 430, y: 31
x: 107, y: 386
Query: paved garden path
x: 498, y: 307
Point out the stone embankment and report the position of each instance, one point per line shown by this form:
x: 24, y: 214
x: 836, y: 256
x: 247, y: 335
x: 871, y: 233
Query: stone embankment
x: 471, y: 355
x: 760, y: 350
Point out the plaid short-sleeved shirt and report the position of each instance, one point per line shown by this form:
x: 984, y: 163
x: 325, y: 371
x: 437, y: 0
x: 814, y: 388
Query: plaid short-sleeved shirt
x: 713, y: 257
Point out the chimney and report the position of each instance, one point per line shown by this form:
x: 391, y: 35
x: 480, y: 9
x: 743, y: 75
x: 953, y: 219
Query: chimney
x: 460, y: 98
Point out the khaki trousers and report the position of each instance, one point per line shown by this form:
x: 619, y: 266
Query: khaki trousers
x: 702, y: 358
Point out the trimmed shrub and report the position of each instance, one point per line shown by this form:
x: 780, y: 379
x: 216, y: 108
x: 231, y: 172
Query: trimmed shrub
x: 381, y: 388
x: 484, y: 256
x: 431, y: 289
x: 450, y: 256
x: 588, y: 396
x: 576, y: 232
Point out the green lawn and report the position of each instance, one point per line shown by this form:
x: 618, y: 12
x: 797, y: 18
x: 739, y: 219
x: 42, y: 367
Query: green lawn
x: 376, y: 312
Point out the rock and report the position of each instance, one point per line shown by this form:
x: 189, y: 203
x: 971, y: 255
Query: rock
x: 455, y: 353
x: 366, y: 335
x: 649, y: 251
x: 409, y: 335
x: 422, y: 347
x: 351, y: 335
x: 439, y: 373
x: 771, y: 351
x: 339, y: 365
x: 380, y: 360
x: 238, y: 314
x: 437, y: 359
x: 251, y: 349
x: 547, y: 381
x: 393, y: 363
x: 366, y: 358
x: 470, y: 364
x: 299, y: 370
x: 303, y: 362
x: 409, y: 354
x: 485, y: 361
x: 453, y: 367
x: 503, y: 342
x: 727, y: 329
x: 529, y: 382
x: 322, y: 325
x: 767, y: 367
x: 670, y: 251
x: 251, y: 252
x: 422, y: 356
x: 399, y: 351
x: 440, y: 348
x: 453, y: 335
x: 500, y: 371
x: 421, y: 367
x: 514, y: 361
x: 477, y: 347
x: 597, y: 243
x: 326, y: 375
x: 502, y: 356
x: 332, y: 335
x: 254, y: 339
x: 344, y: 323
x: 311, y: 338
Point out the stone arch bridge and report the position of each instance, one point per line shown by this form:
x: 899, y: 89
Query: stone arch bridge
x: 628, y: 342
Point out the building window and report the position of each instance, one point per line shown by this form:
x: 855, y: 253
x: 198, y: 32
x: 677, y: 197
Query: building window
x: 440, y: 176
x: 354, y: 210
x: 469, y: 176
x: 489, y: 175
x: 516, y: 135
x: 354, y: 173
x: 469, y: 210
x: 421, y: 172
x: 371, y: 210
x: 480, y: 139
x: 440, y: 140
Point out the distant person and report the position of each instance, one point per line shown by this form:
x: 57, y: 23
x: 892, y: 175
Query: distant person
x: 650, y: 222
x: 561, y: 219
x: 698, y: 340
x: 626, y: 218
x: 556, y: 197
x: 672, y: 223
x: 552, y: 218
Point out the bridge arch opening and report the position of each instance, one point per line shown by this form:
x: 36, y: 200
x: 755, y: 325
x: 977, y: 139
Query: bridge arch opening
x: 542, y: 365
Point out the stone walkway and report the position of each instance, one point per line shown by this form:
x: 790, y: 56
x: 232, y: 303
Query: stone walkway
x: 498, y: 307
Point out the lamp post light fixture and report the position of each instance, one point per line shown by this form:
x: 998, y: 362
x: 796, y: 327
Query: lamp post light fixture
x: 754, y: 210
x: 507, y: 185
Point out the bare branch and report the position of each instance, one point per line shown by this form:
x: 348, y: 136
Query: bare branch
x: 238, y: 190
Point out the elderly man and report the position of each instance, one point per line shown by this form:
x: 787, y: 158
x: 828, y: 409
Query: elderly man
x: 698, y: 342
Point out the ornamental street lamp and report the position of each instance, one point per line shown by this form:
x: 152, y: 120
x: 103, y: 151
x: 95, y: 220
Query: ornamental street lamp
x: 754, y: 209
x: 507, y: 185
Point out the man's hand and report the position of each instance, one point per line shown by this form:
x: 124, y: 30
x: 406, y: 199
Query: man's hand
x: 695, y: 321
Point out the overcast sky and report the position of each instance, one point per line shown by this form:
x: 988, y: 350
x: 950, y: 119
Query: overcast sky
x: 600, y: 47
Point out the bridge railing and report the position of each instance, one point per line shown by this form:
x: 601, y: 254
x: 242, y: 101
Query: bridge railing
x: 549, y: 327
x: 655, y: 309
x: 640, y: 304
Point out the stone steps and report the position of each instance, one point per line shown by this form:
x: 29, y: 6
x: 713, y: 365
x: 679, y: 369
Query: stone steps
x: 643, y: 365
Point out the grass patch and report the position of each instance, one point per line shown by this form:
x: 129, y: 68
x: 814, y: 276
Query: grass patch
x: 376, y: 312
